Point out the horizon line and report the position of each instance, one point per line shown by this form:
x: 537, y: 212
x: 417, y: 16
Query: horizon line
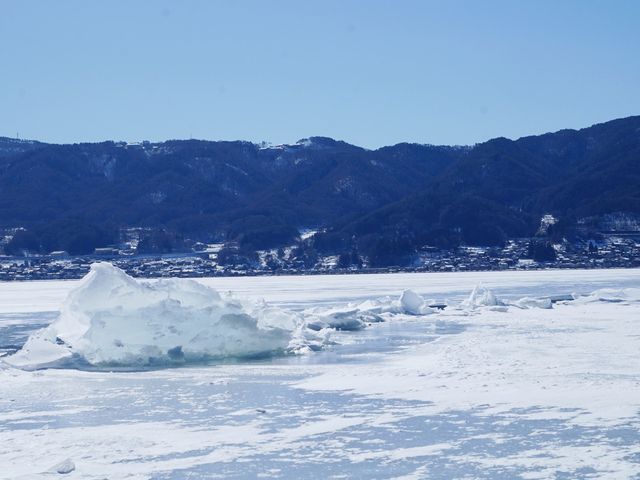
x: 268, y: 144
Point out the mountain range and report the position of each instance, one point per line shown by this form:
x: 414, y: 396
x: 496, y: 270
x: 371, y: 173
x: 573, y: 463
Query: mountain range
x: 389, y: 201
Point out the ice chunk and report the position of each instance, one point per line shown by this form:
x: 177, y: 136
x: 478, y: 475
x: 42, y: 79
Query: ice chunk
x: 411, y: 302
x: 350, y: 317
x: 482, y: 297
x: 530, y: 302
x: 414, y: 304
x: 337, y: 318
x: 112, y: 319
x: 372, y: 310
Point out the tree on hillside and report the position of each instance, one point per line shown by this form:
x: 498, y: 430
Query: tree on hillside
x: 541, y: 251
x: 23, y: 242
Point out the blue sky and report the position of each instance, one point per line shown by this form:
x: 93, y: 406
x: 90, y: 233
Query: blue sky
x: 369, y: 72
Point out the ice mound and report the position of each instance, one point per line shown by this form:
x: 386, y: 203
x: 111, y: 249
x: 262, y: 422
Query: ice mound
x: 482, y: 297
x: 111, y: 319
x: 347, y: 318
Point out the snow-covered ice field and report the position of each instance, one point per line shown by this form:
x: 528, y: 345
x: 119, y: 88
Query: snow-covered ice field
x: 484, y: 389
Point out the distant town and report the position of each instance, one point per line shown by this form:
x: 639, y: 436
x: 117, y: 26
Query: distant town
x: 614, y: 250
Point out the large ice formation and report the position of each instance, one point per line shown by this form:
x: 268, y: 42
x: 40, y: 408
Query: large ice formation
x: 111, y: 319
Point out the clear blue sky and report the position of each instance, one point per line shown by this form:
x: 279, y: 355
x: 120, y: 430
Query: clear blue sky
x: 369, y: 72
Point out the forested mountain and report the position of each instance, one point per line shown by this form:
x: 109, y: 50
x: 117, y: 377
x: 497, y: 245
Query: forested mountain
x: 393, y: 199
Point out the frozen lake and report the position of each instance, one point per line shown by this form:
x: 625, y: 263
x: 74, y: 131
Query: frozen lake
x: 464, y: 393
